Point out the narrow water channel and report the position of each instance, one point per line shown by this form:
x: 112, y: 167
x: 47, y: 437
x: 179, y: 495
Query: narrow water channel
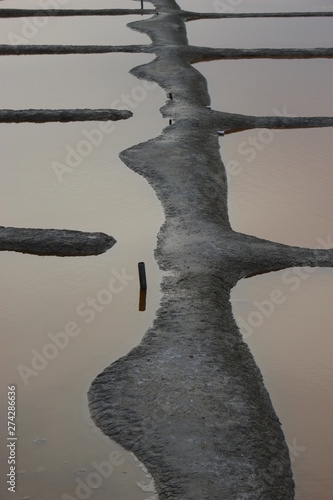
x: 70, y: 176
x: 94, y: 30
x: 280, y: 188
x: 74, y: 4
x: 230, y: 6
x: 261, y: 33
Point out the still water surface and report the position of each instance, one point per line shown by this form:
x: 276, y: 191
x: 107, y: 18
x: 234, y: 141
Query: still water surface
x: 292, y: 342
x: 280, y: 188
x: 58, y: 443
x: 103, y: 30
x: 74, y: 4
x: 261, y: 33
x: 234, y: 6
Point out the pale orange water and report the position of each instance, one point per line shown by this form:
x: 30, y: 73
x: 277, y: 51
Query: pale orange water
x: 58, y: 444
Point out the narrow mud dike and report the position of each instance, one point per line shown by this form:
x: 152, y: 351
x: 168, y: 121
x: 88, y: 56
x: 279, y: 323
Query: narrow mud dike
x: 30, y: 50
x: 189, y: 401
x: 62, y: 115
x: 15, y: 13
x: 59, y: 242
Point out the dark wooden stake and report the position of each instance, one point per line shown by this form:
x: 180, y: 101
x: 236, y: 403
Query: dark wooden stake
x: 143, y: 286
x: 141, y: 7
x: 142, y: 276
x: 142, y: 300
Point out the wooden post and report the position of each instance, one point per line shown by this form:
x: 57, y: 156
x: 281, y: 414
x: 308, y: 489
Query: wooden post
x: 143, y: 286
x: 142, y: 300
x: 141, y: 7
x: 142, y: 275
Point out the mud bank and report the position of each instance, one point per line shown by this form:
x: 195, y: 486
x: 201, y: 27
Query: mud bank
x: 192, y: 16
x: 62, y: 115
x: 189, y: 401
x: 10, y: 13
x: 59, y: 242
x: 24, y: 50
x: 199, y: 54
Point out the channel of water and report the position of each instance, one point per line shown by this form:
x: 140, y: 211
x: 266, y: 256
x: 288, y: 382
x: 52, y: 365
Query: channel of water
x: 70, y: 176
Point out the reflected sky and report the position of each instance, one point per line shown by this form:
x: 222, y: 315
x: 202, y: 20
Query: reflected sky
x: 40, y: 296
x: 261, y: 33
x: 255, y: 5
x: 292, y: 342
x: 103, y: 30
x: 73, y: 4
x: 264, y: 87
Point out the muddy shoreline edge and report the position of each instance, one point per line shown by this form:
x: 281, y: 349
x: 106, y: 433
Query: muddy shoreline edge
x: 189, y: 401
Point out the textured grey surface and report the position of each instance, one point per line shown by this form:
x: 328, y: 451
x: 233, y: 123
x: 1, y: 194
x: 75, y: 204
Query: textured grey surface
x: 9, y: 13
x: 60, y: 242
x: 189, y: 401
x: 62, y: 115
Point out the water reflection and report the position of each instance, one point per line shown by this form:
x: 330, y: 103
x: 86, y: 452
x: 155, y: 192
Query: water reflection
x: 74, y: 4
x: 85, y: 30
x: 286, y: 320
x: 261, y: 33
x: 279, y: 181
x: 282, y: 191
x: 87, y: 81
x: 230, y: 6
x: 142, y: 300
x: 89, y: 304
x: 271, y: 87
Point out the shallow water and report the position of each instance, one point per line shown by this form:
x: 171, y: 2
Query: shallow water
x: 103, y: 30
x: 234, y: 6
x: 280, y: 182
x: 270, y: 87
x: 280, y: 188
x: 292, y: 342
x: 261, y: 33
x: 58, y: 443
x: 74, y: 4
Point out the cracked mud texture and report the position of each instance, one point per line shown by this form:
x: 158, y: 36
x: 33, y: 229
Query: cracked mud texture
x: 59, y: 242
x: 62, y: 115
x: 189, y: 401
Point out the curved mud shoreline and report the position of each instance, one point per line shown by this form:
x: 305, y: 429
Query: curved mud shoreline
x: 190, y: 401
x: 59, y: 242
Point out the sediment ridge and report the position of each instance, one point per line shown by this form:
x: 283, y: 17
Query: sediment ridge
x: 62, y: 115
x: 190, y: 401
x: 59, y: 242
